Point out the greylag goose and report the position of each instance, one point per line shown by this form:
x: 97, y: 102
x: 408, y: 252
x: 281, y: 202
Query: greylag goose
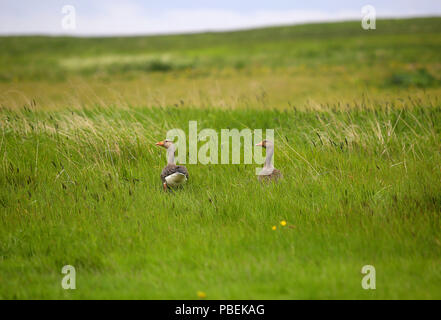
x: 172, y: 175
x: 268, y: 173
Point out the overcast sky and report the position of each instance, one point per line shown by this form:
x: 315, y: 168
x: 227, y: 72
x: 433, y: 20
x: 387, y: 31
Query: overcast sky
x: 112, y: 17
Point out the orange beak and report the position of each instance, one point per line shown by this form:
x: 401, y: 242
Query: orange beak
x: 160, y: 143
x: 259, y: 144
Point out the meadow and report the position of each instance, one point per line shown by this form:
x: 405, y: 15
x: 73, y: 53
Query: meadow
x: 357, y: 120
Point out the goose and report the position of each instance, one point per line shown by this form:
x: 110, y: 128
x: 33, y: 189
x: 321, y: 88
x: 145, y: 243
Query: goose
x: 268, y: 173
x: 172, y: 175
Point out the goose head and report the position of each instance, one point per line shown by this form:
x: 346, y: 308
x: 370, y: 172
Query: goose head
x: 165, y: 143
x: 265, y: 143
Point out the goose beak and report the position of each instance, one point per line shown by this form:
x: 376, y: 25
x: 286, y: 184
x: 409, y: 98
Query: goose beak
x: 160, y: 143
x: 259, y: 144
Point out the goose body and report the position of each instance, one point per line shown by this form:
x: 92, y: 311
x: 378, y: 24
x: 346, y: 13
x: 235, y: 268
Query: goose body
x: 172, y: 175
x: 273, y: 176
x: 269, y: 173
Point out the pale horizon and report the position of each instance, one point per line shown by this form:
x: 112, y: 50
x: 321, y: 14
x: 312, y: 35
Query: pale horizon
x: 134, y: 18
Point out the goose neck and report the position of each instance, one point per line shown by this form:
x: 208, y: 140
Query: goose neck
x: 269, y: 156
x: 171, y: 154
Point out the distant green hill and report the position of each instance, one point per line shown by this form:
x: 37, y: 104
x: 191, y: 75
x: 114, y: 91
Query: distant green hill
x: 343, y: 43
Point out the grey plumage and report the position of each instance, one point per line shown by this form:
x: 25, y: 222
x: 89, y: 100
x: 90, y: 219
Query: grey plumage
x: 172, y: 168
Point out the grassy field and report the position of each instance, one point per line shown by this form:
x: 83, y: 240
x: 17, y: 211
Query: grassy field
x: 357, y: 119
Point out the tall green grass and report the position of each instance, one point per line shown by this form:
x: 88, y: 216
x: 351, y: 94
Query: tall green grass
x: 82, y: 187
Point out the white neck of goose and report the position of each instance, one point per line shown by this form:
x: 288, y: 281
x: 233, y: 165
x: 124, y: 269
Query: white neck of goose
x: 171, y: 154
x: 269, y: 156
